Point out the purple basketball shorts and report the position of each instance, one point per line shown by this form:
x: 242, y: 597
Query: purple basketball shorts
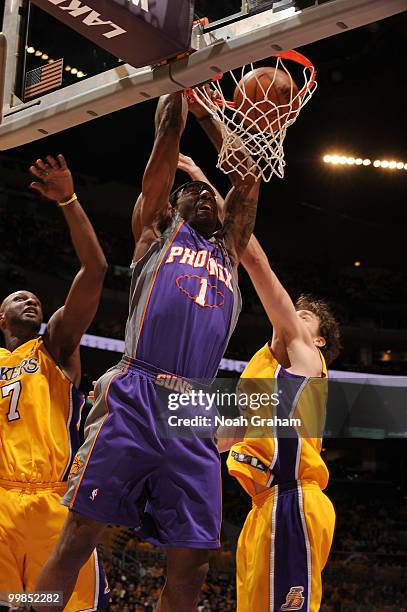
x: 130, y: 449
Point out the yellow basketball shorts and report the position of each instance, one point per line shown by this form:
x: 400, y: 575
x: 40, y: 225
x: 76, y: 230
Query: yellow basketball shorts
x: 31, y: 520
x: 282, y: 549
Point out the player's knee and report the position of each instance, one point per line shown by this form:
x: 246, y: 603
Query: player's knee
x: 194, y: 577
x: 185, y: 589
x: 188, y: 575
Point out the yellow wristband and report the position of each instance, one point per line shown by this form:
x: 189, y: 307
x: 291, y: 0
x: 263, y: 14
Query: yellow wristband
x: 71, y: 199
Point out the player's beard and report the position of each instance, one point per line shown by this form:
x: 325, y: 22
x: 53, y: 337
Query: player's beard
x: 24, y: 327
x: 205, y: 227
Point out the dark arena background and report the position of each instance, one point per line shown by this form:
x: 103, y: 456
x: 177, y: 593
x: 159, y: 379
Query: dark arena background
x: 336, y: 230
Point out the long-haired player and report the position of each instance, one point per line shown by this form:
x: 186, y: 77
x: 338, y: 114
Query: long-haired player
x: 286, y: 539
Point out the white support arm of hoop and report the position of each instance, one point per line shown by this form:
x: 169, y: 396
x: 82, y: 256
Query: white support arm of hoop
x: 126, y: 86
x: 3, y: 54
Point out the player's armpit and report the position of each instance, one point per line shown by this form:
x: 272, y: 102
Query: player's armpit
x: 68, y: 324
x: 146, y: 238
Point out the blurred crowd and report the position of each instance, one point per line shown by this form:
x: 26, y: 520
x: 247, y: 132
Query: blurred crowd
x: 36, y: 237
x: 138, y: 590
x: 366, y: 571
x: 348, y: 586
x: 366, y: 595
x: 372, y: 527
x: 37, y: 253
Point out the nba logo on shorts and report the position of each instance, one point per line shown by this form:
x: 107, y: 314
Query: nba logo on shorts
x: 294, y: 599
x: 92, y: 497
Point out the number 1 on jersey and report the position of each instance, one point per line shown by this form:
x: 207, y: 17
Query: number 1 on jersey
x: 200, y: 298
x: 13, y: 389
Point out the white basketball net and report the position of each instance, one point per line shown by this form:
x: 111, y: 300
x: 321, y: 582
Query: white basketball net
x: 253, y: 138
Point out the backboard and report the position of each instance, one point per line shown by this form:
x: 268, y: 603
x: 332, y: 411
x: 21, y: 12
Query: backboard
x: 87, y: 81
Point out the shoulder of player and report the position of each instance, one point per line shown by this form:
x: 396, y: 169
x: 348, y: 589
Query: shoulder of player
x: 228, y: 250
x: 21, y: 352
x: 143, y: 244
x: 4, y: 353
x: 153, y: 232
x: 70, y: 366
x: 304, y: 357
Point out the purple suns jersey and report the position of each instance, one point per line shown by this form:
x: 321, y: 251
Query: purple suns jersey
x: 184, y: 303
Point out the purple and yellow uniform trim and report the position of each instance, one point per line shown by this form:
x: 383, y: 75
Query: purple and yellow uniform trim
x: 184, y: 304
x: 287, y: 536
x: 39, y: 418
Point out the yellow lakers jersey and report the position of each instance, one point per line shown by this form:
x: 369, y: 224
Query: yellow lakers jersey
x: 39, y: 416
x: 283, y: 438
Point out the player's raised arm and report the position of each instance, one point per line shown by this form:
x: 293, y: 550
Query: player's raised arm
x: 212, y: 131
x: 240, y: 205
x: 69, y: 323
x: 159, y: 174
x: 240, y: 217
x: 285, y: 319
x: 275, y: 299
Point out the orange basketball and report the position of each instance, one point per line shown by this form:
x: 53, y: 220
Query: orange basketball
x: 266, y: 87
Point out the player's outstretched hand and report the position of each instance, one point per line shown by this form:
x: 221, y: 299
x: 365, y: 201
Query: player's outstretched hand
x: 187, y: 164
x: 195, y: 107
x: 91, y: 394
x: 54, y: 178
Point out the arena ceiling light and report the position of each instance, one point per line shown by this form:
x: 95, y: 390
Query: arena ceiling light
x: 44, y: 56
x: 390, y: 164
x: 337, y: 159
x: 344, y: 160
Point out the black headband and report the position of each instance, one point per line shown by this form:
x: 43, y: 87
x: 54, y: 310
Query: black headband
x: 174, y: 195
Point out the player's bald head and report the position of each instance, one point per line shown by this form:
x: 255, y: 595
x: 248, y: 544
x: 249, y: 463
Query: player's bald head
x: 20, y: 293
x: 21, y: 313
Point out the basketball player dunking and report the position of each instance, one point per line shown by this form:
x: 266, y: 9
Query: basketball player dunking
x: 286, y: 539
x: 40, y: 407
x: 184, y: 304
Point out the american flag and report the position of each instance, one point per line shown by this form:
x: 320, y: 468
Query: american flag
x: 43, y: 78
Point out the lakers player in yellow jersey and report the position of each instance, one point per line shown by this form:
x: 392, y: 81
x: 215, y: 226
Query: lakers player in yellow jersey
x: 40, y: 406
x: 287, y: 536
x: 286, y: 539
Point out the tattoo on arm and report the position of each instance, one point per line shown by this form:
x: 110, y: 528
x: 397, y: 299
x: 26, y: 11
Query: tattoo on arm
x: 212, y: 130
x: 240, y: 205
x: 240, y: 217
